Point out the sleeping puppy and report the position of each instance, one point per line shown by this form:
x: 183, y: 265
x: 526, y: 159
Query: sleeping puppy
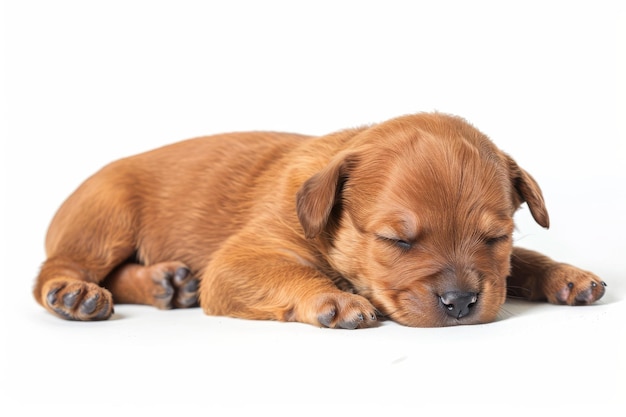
x: 410, y: 220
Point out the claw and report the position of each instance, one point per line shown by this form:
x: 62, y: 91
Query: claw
x: 327, y: 319
x: 89, y: 305
x: 69, y: 299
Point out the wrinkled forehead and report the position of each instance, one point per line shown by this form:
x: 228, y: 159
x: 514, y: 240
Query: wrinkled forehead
x: 448, y: 170
x: 447, y: 178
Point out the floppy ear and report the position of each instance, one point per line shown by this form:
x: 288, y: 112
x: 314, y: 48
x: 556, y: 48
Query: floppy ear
x: 528, y: 190
x: 320, y: 193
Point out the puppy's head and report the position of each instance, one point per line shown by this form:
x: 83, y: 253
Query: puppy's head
x: 417, y: 214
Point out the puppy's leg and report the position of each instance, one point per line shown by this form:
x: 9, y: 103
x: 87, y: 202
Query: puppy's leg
x: 67, y: 286
x: 265, y: 285
x: 536, y: 277
x: 164, y: 285
x: 93, y: 232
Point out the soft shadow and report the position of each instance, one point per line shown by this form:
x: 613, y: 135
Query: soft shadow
x: 116, y: 316
x: 514, y: 307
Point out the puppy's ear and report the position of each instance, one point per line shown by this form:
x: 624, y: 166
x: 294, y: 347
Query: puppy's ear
x: 528, y: 191
x: 320, y: 193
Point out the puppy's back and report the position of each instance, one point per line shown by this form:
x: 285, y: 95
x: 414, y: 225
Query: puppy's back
x: 191, y: 194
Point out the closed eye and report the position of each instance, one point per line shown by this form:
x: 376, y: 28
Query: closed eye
x: 492, y: 241
x: 400, y: 243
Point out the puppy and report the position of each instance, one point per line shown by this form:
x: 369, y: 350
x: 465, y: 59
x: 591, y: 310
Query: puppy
x: 410, y: 220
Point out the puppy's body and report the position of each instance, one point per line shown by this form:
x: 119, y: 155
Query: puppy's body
x: 410, y: 219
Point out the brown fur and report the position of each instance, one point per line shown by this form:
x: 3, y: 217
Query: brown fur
x: 392, y: 220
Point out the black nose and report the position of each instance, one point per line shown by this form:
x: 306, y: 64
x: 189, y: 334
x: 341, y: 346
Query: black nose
x: 458, y: 304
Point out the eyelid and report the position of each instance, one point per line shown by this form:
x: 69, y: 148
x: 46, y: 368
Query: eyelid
x: 496, y: 239
x: 403, y: 244
x: 399, y: 242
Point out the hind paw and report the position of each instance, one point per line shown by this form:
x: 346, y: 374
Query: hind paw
x: 78, y: 300
x: 173, y: 286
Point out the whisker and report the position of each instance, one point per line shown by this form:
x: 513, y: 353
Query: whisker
x: 369, y: 292
x: 504, y: 313
x: 520, y: 293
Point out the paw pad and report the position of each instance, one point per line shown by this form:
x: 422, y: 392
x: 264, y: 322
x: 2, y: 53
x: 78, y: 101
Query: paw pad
x: 78, y: 300
x: 581, y: 292
x: 346, y: 311
x: 174, y: 286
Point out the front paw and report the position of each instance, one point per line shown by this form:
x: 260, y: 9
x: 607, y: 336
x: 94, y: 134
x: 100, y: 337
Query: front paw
x: 566, y: 284
x: 345, y: 311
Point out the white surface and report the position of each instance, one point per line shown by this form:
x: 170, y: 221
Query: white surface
x: 86, y: 84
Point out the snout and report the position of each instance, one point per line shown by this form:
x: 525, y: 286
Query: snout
x: 452, y: 305
x: 458, y: 304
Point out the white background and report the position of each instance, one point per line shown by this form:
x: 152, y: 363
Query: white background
x: 87, y: 82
